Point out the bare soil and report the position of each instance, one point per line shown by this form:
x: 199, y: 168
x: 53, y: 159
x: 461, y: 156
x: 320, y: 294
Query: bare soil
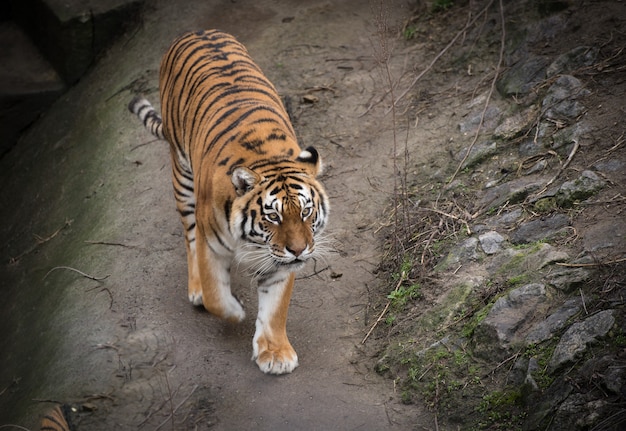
x: 88, y: 189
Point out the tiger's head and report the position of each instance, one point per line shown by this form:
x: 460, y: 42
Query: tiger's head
x: 280, y: 212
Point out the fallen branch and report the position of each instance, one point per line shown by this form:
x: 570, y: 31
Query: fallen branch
x: 40, y: 240
x: 587, y: 265
x: 91, y: 277
x: 119, y: 244
x: 19, y: 427
x: 380, y: 317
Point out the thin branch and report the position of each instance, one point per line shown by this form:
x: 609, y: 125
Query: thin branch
x: 582, y: 298
x: 91, y: 277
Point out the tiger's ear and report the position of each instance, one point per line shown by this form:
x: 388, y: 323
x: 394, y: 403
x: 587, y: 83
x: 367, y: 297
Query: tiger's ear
x: 244, y: 180
x: 312, y: 160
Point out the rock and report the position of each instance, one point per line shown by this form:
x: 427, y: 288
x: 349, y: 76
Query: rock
x: 513, y: 192
x: 544, y: 255
x: 556, y: 321
x: 567, y: 411
x: 490, y: 120
x: 603, y: 238
x: 478, y: 153
x: 579, y: 189
x: 605, y: 368
x: 540, y: 166
x: 561, y: 99
x: 28, y: 84
x: 71, y: 34
x: 529, y: 148
x: 522, y: 77
x: 516, y: 124
x: 509, y: 315
x: 574, y: 59
x: 490, y: 241
x: 566, y: 136
x: 558, y: 392
x: 576, y: 339
x: 578, y: 413
x: 615, y: 380
x: 539, y: 229
x: 567, y: 279
x: 462, y: 253
x: 506, y: 220
x: 610, y: 166
x: 521, y: 375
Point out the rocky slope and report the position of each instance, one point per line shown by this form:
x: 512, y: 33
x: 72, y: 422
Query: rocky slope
x: 507, y: 310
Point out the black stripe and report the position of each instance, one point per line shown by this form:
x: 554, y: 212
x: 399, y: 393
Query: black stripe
x: 227, y: 209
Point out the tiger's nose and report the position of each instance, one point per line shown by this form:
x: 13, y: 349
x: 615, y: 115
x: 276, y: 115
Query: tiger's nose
x: 296, y: 250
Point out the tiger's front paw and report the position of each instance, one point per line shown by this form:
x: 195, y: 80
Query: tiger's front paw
x: 273, y: 359
x: 194, y: 293
x: 232, y: 310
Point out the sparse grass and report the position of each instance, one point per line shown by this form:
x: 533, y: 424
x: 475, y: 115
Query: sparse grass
x: 404, y: 294
x: 500, y: 410
x: 517, y: 280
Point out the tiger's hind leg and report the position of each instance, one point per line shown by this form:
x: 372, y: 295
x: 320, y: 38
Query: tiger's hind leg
x: 272, y: 350
x: 182, y: 180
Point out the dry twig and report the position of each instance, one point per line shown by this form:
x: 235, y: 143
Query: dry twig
x: 91, y: 277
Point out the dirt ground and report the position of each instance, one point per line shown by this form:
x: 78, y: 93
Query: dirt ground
x: 88, y: 189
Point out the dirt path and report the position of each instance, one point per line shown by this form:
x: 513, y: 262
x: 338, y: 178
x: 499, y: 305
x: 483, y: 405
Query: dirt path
x: 89, y: 182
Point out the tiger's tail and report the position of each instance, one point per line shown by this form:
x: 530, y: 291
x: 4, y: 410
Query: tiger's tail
x: 57, y: 419
x: 148, y: 115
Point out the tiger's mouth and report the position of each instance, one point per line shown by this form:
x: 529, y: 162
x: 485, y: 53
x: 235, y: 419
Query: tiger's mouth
x: 292, y: 264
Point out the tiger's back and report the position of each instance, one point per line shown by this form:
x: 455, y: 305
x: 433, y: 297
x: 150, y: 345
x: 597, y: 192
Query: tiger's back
x: 214, y: 94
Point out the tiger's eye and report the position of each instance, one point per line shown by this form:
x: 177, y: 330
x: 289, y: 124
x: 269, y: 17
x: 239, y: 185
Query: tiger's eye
x: 306, y: 212
x: 273, y: 217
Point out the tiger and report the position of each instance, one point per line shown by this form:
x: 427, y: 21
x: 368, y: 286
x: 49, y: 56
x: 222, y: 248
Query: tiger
x: 244, y: 189
x: 57, y: 419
